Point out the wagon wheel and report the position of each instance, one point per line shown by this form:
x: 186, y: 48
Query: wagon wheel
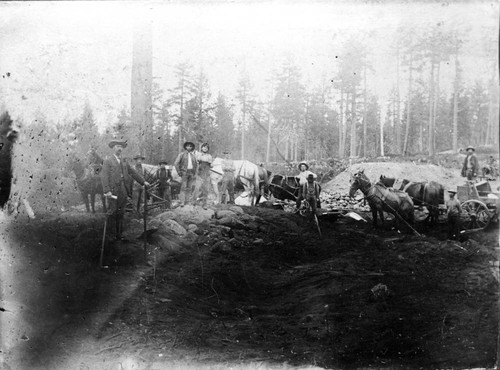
x: 477, y: 215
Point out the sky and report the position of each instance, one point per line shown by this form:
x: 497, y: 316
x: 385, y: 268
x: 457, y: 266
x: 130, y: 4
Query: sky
x: 56, y: 56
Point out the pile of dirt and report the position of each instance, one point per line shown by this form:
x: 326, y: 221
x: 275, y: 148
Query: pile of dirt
x: 250, y: 287
x: 450, y: 178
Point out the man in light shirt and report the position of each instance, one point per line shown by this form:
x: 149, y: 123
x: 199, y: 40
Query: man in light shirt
x: 471, y: 165
x: 202, y: 187
x: 302, y: 179
x: 186, y: 166
x: 453, y: 211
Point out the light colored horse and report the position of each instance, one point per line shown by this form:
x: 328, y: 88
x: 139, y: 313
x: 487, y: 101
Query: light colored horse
x: 245, y: 172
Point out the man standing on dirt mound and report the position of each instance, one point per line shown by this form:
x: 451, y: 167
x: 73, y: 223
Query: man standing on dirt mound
x: 116, y: 176
x: 136, y: 188
x: 186, y: 166
x: 470, y: 167
x: 205, y: 160
x: 227, y: 178
x: 302, y: 179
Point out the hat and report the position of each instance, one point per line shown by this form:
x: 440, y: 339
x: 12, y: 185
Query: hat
x: 112, y: 143
x: 310, y: 176
x: 205, y: 145
x: 303, y: 163
x: 138, y: 156
x: 187, y: 143
x: 452, y: 191
x: 226, y: 152
x: 470, y: 147
x: 163, y: 161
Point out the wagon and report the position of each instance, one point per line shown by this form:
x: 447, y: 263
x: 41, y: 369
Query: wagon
x: 479, y: 204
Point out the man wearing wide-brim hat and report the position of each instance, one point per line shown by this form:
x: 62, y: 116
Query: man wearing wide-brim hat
x: 116, y: 176
x: 453, y: 211
x: 471, y: 165
x: 186, y: 166
x: 302, y: 179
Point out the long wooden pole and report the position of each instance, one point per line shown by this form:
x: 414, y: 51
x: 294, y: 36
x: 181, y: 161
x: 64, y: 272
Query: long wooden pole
x: 145, y: 222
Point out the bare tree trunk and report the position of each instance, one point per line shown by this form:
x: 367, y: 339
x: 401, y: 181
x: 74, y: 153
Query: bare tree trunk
x: 268, y: 147
x: 408, y: 109
x: 344, y: 136
x: 353, y: 124
x: 141, y: 83
x: 455, y: 104
x: 382, y: 153
x: 397, y: 122
x: 341, y: 124
x: 181, y: 125
x: 431, y: 111
x: 432, y: 140
x: 364, y: 115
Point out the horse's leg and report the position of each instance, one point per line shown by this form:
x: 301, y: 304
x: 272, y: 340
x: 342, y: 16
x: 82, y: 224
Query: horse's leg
x: 86, y: 200
x: 103, y: 199
x: 374, y: 216
x: 92, y: 201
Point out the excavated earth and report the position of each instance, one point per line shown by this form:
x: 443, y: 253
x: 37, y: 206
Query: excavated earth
x: 231, y: 287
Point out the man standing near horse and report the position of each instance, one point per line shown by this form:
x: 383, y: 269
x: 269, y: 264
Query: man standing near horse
x: 164, y: 178
x: 116, y: 176
x: 453, y: 211
x: 471, y: 166
x: 205, y: 160
x: 186, y: 166
x: 302, y: 179
x: 310, y: 192
x: 228, y: 177
x: 136, y: 188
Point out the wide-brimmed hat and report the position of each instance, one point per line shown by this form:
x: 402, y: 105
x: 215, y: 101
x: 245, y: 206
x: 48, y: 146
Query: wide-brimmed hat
x: 452, y: 191
x: 303, y: 163
x: 226, y: 152
x: 112, y: 143
x: 188, y: 143
x: 163, y: 161
x: 470, y: 147
x: 138, y: 156
x: 310, y: 176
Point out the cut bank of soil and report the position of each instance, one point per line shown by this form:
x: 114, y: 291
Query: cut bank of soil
x: 356, y: 298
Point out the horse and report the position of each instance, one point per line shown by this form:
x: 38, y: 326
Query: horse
x: 150, y: 172
x: 8, y: 136
x: 380, y: 198
x: 88, y: 180
x: 285, y: 187
x: 246, y: 173
x: 428, y: 194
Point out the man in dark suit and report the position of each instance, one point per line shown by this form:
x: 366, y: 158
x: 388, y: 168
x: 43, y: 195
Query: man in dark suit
x: 137, y: 200
x: 471, y: 165
x: 164, y: 178
x: 116, y: 176
x: 186, y: 166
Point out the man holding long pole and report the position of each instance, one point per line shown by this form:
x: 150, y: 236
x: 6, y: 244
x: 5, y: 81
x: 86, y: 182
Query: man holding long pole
x: 116, y: 176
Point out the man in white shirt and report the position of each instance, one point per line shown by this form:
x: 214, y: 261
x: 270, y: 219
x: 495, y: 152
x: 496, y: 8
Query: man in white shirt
x: 302, y: 179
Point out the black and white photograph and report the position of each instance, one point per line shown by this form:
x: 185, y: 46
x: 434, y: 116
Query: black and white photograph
x: 247, y: 185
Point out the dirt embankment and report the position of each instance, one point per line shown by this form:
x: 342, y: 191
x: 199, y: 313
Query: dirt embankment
x: 450, y: 178
x: 246, y: 287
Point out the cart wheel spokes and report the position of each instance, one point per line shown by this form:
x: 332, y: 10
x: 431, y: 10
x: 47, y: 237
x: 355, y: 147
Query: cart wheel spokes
x: 477, y: 215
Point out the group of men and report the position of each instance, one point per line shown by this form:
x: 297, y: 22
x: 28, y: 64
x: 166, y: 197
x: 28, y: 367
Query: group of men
x: 121, y: 180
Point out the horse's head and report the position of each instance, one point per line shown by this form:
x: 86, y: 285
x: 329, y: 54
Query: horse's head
x: 358, y: 181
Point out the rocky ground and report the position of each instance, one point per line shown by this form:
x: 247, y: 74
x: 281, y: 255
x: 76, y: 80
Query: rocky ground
x: 245, y: 287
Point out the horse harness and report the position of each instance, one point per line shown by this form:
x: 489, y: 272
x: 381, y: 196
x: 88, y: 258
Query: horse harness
x: 282, y: 188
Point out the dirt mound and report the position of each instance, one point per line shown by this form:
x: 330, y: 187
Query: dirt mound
x: 413, y: 172
x: 246, y: 288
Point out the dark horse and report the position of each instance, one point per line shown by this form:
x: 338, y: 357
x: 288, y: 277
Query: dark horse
x: 285, y: 187
x: 381, y: 198
x: 88, y: 179
x: 428, y: 194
